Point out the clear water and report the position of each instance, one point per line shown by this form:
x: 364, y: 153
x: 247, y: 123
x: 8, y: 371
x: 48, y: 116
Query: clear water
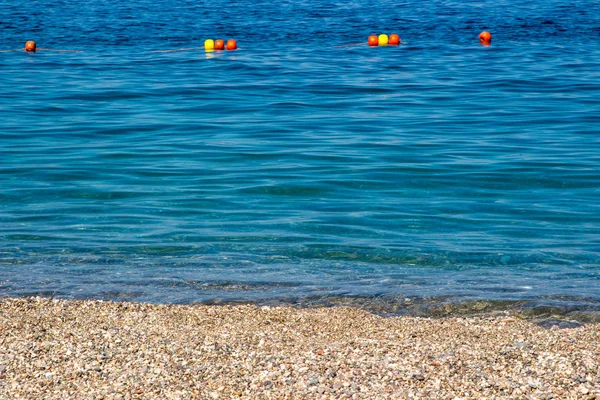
x: 294, y: 169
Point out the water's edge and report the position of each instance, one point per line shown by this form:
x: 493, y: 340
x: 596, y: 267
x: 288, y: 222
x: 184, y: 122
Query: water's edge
x: 539, y: 313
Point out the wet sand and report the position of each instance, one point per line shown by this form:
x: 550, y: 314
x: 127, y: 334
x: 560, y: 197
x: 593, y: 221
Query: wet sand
x: 101, y: 350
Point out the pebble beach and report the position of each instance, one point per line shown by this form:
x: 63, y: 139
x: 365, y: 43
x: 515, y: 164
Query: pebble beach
x: 58, y: 349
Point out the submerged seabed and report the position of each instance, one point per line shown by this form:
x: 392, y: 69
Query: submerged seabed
x: 297, y: 170
x: 407, y: 285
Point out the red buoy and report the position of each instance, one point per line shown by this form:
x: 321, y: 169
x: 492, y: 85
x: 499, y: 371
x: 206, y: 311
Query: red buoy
x: 373, y: 41
x: 394, y: 39
x: 231, y: 45
x: 30, y: 46
x: 219, y: 44
x: 485, y: 38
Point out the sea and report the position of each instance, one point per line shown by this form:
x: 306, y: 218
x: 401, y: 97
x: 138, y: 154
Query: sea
x: 305, y: 167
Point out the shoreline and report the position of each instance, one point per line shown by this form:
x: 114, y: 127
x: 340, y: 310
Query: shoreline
x: 544, y: 312
x: 53, y: 348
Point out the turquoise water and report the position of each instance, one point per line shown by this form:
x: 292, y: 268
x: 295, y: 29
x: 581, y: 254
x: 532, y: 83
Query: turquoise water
x: 294, y: 170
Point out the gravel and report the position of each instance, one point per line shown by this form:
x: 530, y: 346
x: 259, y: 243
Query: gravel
x: 57, y: 349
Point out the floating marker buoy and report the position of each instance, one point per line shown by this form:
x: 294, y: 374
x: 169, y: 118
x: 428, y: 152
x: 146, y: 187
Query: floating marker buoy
x: 219, y: 44
x: 394, y: 39
x: 485, y: 38
x: 30, y: 46
x: 383, y: 40
x: 209, y: 44
x: 373, y: 41
x: 231, y: 45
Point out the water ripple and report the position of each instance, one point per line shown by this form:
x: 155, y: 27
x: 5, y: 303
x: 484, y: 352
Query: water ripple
x: 296, y: 170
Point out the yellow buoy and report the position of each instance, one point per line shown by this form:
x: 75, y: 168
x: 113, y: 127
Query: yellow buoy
x: 383, y: 40
x: 209, y: 44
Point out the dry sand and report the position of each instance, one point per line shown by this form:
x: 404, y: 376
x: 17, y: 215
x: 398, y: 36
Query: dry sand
x: 99, y: 350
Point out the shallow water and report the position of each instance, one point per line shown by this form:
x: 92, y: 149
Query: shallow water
x: 295, y: 170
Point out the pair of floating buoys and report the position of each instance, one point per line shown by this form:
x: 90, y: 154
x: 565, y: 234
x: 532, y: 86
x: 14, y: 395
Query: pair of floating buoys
x: 384, y: 40
x: 219, y: 44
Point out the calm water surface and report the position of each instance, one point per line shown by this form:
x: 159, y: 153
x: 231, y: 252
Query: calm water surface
x: 294, y: 169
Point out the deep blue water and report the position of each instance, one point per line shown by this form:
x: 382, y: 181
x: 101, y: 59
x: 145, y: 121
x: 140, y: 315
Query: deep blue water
x: 293, y: 168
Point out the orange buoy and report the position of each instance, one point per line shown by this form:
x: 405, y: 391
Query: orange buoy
x: 394, y: 39
x: 219, y: 44
x: 231, y: 44
x: 485, y: 38
x: 30, y: 46
x: 373, y: 41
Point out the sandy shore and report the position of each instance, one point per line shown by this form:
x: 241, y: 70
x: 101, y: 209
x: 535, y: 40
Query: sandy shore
x: 99, y: 350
